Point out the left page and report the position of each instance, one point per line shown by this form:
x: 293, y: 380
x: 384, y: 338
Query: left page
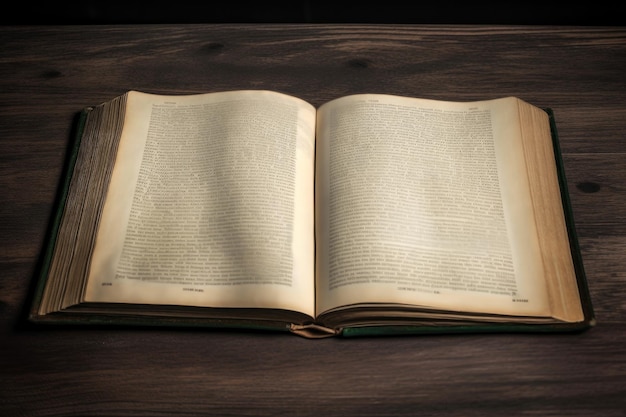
x: 210, y: 204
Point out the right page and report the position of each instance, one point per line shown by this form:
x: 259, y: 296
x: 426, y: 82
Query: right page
x: 430, y: 204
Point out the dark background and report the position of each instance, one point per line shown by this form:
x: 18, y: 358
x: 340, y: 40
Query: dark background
x: 406, y: 12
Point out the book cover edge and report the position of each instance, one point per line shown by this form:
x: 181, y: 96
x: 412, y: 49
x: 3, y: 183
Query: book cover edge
x: 581, y: 276
x: 57, y: 214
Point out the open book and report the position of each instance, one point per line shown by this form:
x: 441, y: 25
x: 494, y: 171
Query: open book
x: 373, y: 214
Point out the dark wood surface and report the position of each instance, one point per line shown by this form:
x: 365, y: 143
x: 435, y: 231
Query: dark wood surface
x: 48, y: 73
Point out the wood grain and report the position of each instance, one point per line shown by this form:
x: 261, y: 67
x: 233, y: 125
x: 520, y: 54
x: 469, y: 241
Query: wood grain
x: 48, y: 73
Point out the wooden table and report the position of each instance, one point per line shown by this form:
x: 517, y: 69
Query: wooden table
x: 48, y: 73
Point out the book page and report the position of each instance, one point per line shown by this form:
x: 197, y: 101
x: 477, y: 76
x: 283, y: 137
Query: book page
x: 210, y: 204
x: 425, y: 203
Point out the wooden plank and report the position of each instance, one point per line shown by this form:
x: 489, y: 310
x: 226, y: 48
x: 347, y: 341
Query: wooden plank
x: 48, y: 73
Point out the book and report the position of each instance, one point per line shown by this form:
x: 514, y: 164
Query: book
x: 372, y: 214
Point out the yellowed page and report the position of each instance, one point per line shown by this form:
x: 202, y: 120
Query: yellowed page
x: 418, y: 203
x: 551, y: 225
x: 210, y: 204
